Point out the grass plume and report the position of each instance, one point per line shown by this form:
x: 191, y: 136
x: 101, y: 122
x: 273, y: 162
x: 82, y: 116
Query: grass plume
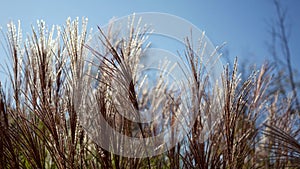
x: 40, y: 107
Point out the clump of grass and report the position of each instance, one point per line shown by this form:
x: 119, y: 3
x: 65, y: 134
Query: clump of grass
x: 48, y: 78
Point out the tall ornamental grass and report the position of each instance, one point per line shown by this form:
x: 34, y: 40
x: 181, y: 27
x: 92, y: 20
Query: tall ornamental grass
x: 40, y: 119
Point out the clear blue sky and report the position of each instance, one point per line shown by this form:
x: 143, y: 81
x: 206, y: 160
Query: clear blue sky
x: 242, y: 24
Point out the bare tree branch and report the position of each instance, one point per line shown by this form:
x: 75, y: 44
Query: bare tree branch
x: 282, y: 35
